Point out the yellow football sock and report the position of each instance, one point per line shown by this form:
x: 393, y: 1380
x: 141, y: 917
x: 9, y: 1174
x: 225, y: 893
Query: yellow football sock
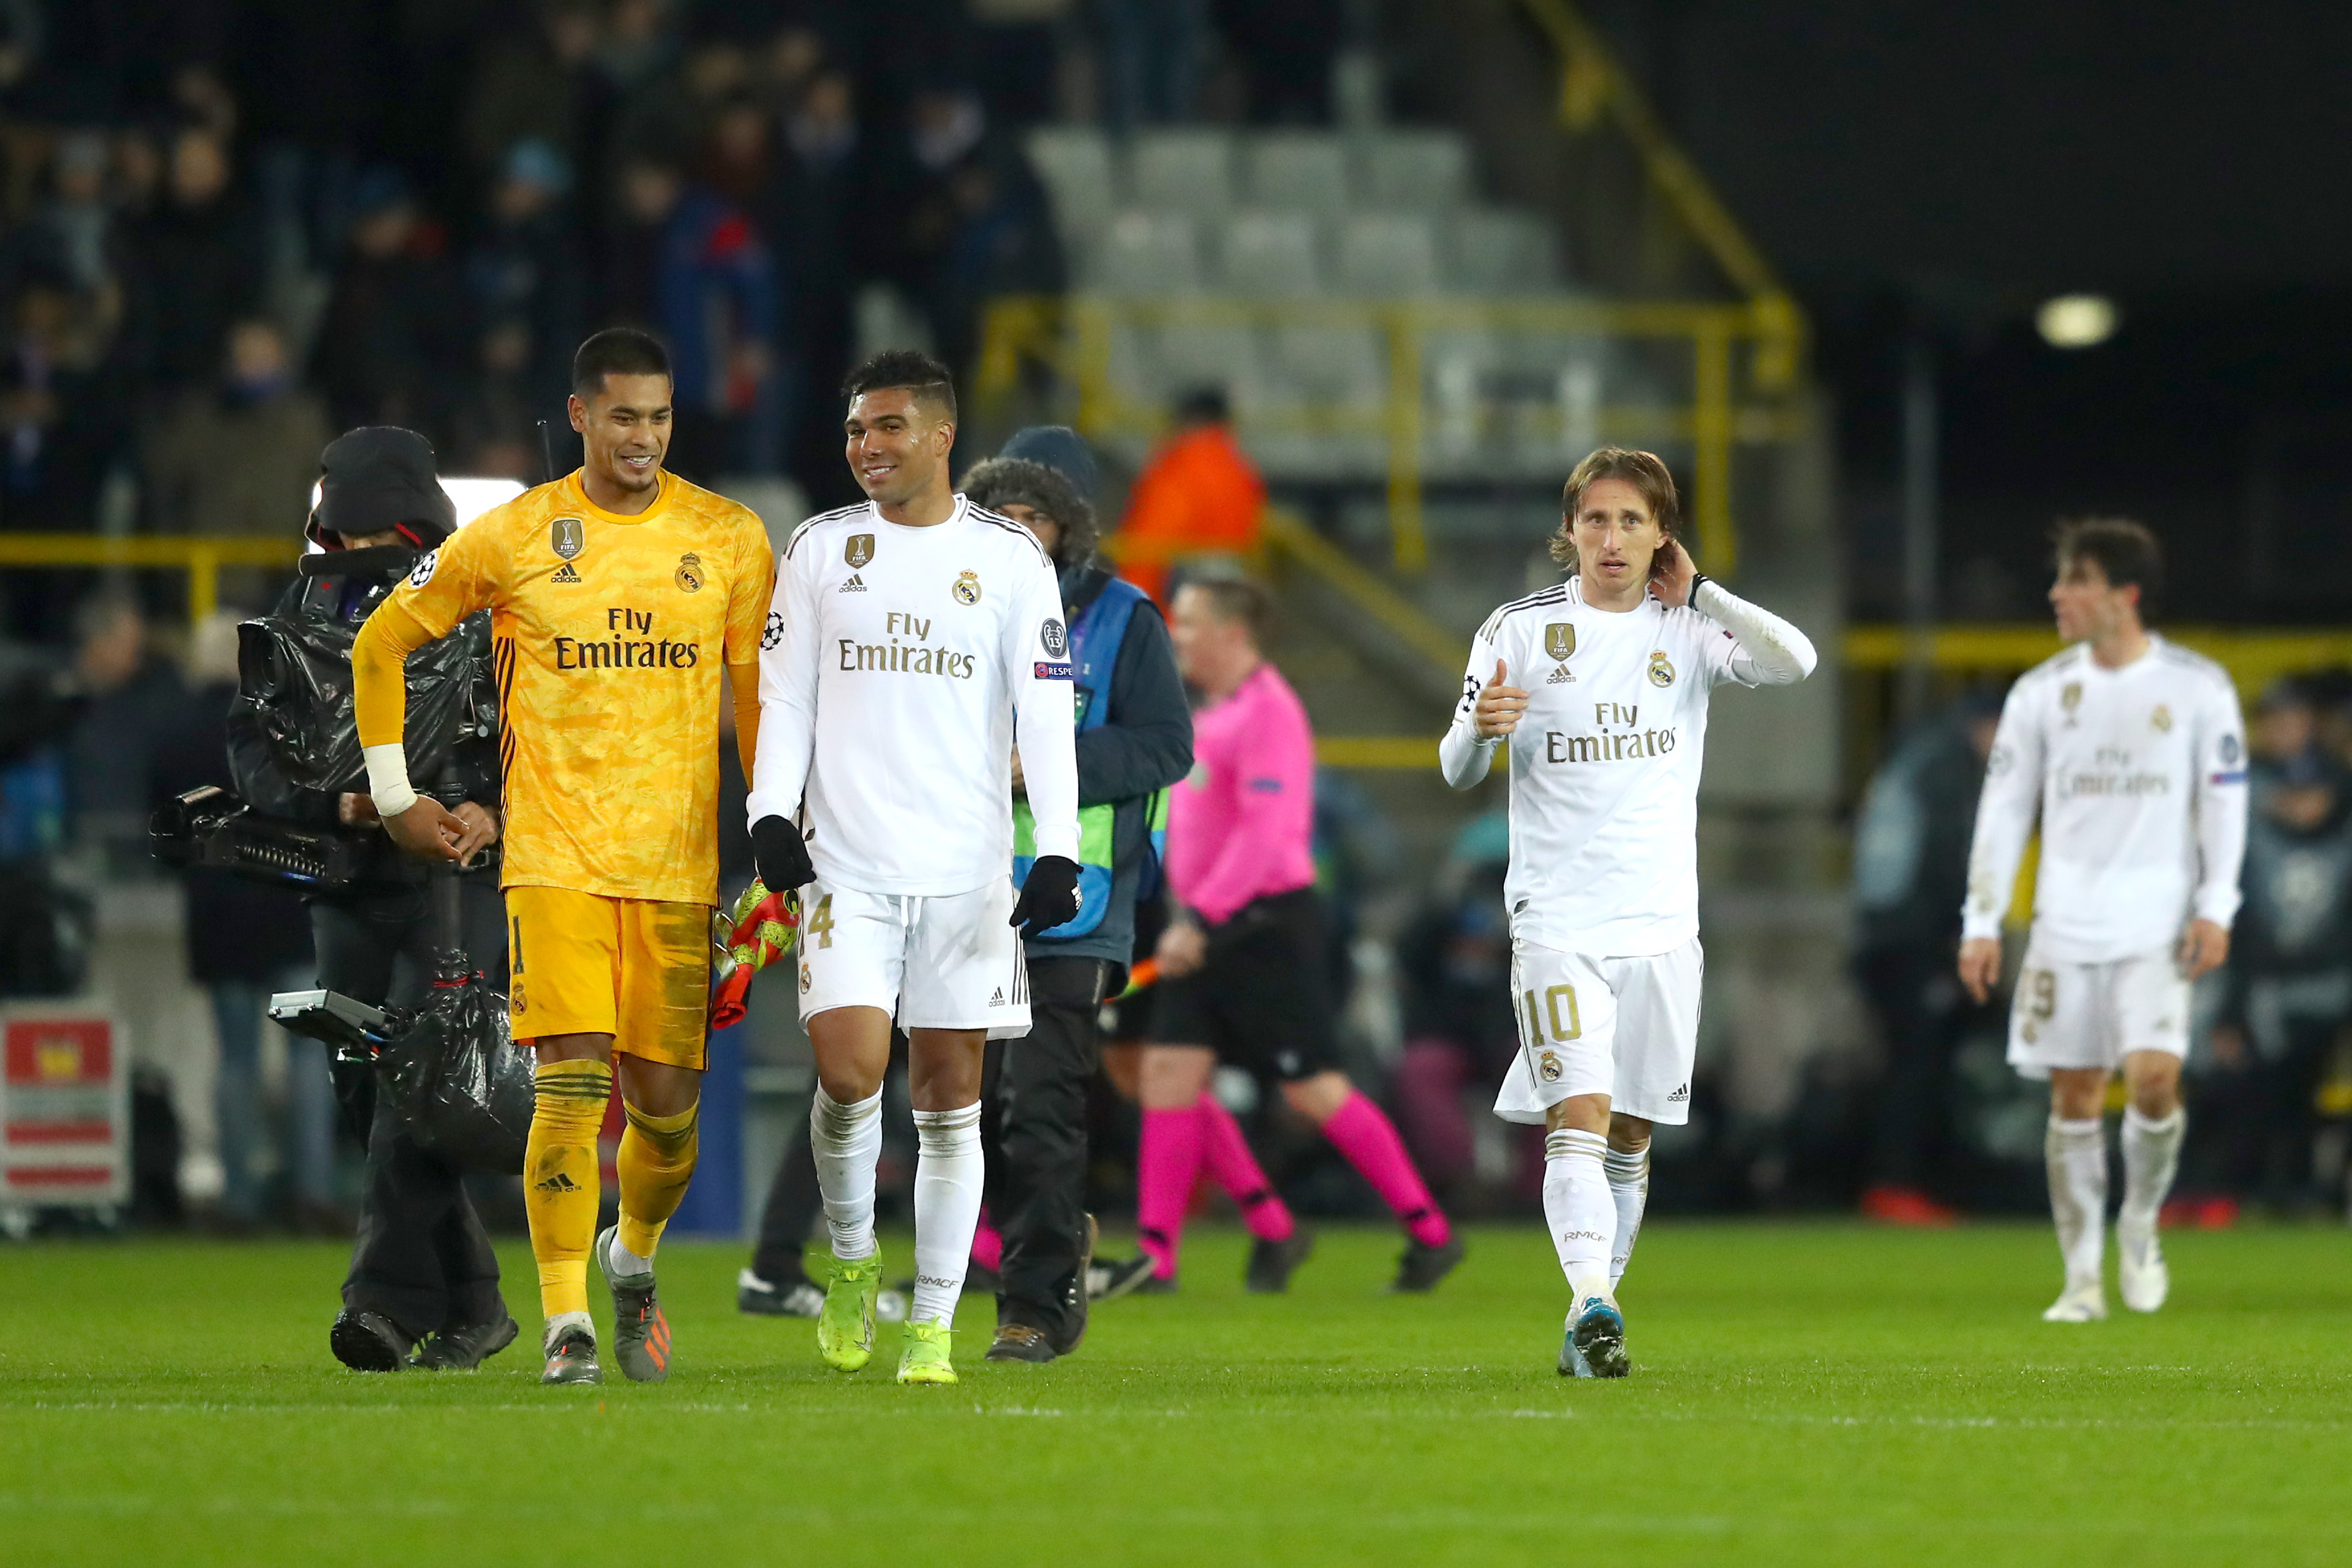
x: 560, y: 1180
x: 657, y: 1160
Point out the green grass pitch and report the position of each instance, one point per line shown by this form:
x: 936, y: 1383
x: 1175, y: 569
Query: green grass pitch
x: 1803, y: 1395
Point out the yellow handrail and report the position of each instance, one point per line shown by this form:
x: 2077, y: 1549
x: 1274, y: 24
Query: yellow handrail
x: 200, y: 557
x: 1285, y: 532
x: 2253, y: 657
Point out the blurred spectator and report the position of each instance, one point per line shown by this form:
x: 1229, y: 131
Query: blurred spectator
x: 201, y: 262
x: 238, y: 459
x: 383, y: 346
x: 977, y: 222
x: 690, y: 266
x: 1910, y: 877
x: 246, y: 942
x: 537, y: 84
x: 317, y: 79
x: 824, y: 230
x: 1198, y: 495
x: 63, y: 420
x: 527, y: 265
x: 1153, y: 55
x: 1285, y: 49
x: 1460, y: 1029
x: 497, y: 422
x: 1018, y: 55
x: 74, y: 231
x: 137, y: 704
x: 2288, y: 990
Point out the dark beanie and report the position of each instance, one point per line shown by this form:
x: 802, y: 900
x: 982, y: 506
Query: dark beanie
x: 1060, y: 449
x: 379, y: 476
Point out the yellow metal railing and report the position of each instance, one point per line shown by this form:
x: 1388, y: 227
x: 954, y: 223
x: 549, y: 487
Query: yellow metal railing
x: 1729, y: 403
x: 200, y: 558
x: 2253, y: 657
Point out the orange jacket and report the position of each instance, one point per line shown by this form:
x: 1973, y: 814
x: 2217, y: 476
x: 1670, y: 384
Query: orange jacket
x: 1199, y: 494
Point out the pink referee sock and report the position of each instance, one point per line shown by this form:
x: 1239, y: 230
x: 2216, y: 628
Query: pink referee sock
x: 1226, y: 1154
x: 1368, y: 1139
x: 988, y: 1245
x: 1170, y: 1164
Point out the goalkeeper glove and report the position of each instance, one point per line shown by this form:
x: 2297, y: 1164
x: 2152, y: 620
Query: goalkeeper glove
x: 755, y: 933
x: 1049, y: 897
x: 782, y: 854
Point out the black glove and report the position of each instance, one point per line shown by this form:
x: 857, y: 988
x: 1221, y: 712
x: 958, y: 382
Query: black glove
x: 1048, y: 898
x: 782, y: 855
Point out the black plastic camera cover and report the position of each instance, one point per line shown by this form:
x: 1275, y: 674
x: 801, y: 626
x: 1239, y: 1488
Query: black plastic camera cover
x: 296, y: 677
x: 458, y: 1080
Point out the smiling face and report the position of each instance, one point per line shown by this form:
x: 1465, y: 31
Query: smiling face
x: 625, y: 431
x: 1616, y: 536
x: 898, y: 444
x: 2087, y: 605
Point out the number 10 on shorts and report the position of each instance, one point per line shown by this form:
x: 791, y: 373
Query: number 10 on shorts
x: 1559, y: 1010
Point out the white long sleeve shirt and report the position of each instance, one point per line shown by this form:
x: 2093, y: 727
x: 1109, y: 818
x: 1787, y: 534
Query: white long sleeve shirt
x: 898, y: 668
x: 1605, y: 762
x: 2140, y: 777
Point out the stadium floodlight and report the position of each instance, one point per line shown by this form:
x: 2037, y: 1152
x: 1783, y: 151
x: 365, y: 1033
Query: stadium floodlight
x: 472, y: 498
x: 2077, y: 321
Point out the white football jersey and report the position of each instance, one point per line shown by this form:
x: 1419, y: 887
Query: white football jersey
x: 1605, y: 762
x: 898, y: 668
x: 2140, y: 777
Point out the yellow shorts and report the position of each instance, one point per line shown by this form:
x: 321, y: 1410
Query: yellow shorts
x: 632, y: 968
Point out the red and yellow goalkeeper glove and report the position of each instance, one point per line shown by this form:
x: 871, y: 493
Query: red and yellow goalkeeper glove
x: 759, y: 930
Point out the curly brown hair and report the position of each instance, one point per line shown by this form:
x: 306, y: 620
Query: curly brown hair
x: 1646, y: 471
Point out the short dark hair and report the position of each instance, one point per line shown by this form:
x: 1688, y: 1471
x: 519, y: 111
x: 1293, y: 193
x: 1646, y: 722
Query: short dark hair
x: 2128, y: 553
x: 910, y: 369
x: 1204, y: 406
x: 617, y: 351
x: 1001, y: 482
x: 1646, y: 471
x: 1242, y: 600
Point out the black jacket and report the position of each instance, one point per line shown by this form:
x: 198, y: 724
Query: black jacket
x: 1143, y: 745
x: 350, y: 600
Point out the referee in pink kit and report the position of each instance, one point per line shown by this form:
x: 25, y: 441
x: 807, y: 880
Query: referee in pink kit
x: 1241, y: 964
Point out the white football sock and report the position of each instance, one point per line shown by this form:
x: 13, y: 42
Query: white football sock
x: 1579, y: 1208
x: 1628, y: 1188
x: 2151, y: 1159
x: 624, y: 1261
x: 2077, y: 1156
x: 561, y: 1322
x: 949, y: 1173
x: 846, y: 1141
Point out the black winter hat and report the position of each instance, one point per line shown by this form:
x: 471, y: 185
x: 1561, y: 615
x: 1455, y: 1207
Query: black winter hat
x: 379, y: 476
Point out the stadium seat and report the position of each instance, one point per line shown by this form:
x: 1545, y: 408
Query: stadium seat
x: 1148, y: 253
x: 1190, y: 356
x: 1495, y: 250
x: 1387, y: 254
x: 1080, y: 176
x: 1415, y: 170
x: 1330, y: 364
x: 1182, y: 170
x: 1296, y: 170
x: 1270, y: 255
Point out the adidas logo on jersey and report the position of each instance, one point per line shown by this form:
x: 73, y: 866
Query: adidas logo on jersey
x: 1559, y: 677
x: 566, y: 573
x: 997, y: 1000
x: 1679, y: 1095
x: 855, y: 584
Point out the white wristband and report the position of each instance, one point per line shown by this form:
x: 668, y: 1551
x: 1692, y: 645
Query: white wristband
x: 388, y: 785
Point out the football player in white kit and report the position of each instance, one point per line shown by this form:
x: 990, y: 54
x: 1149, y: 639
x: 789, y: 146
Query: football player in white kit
x: 2134, y: 753
x: 1603, y: 683
x: 912, y: 643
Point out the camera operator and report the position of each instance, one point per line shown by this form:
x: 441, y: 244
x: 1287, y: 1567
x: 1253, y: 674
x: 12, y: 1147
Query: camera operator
x: 422, y: 1268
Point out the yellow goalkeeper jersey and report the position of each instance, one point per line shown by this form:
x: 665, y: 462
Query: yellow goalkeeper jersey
x: 610, y: 636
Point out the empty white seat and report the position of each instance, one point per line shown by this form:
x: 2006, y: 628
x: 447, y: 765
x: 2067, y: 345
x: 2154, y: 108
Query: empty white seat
x: 1296, y: 170
x: 1386, y: 254
x: 1328, y: 364
x: 1182, y: 170
x: 1190, y: 357
x: 1148, y: 253
x: 1498, y: 250
x: 1080, y: 175
x: 1269, y: 255
x: 1415, y: 170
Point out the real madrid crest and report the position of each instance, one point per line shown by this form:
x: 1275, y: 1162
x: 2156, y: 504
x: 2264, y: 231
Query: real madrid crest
x: 1548, y: 1066
x: 1560, y: 639
x: 2070, y: 696
x: 1661, y: 671
x: 690, y: 572
x: 858, y: 550
x: 2161, y: 718
x: 967, y: 588
x: 567, y: 536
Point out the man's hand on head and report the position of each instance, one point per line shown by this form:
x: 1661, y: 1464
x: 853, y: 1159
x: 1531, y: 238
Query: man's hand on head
x: 1673, y: 574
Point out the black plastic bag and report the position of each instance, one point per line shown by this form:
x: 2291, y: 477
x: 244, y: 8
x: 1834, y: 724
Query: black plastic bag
x: 459, y: 1082
x: 295, y: 676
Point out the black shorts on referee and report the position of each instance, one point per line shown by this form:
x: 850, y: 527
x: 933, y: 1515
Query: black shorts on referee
x: 1262, y: 1000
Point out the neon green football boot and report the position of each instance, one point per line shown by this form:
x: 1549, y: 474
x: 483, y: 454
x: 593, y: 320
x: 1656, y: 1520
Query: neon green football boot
x: 844, y: 1327
x: 925, y: 1357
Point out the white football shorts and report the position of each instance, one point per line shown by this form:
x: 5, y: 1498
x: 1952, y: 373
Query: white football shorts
x: 2090, y: 1015
x: 938, y: 962
x: 1625, y: 1027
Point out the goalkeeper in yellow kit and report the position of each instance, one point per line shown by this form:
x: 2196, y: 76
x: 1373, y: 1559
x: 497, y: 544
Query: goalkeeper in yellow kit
x: 616, y: 595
